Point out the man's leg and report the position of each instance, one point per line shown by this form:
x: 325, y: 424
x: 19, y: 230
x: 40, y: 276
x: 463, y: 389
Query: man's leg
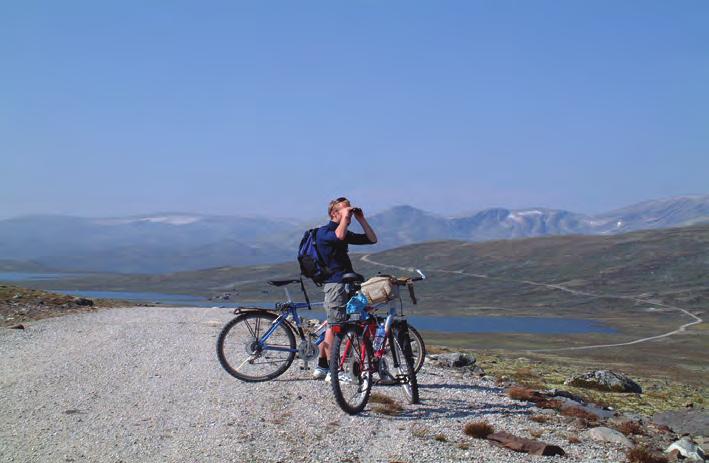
x: 335, y: 300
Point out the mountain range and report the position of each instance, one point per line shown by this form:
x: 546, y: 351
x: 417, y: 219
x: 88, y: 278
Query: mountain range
x: 169, y: 242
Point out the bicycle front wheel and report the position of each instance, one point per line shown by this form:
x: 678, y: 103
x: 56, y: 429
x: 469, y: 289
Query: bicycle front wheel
x: 418, y: 348
x: 404, y: 363
x: 246, y: 355
x: 350, y: 370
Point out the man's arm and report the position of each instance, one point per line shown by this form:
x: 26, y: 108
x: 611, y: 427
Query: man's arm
x: 341, y: 230
x: 366, y: 227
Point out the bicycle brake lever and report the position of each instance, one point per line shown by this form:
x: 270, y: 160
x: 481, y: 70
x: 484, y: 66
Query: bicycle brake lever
x: 411, y: 292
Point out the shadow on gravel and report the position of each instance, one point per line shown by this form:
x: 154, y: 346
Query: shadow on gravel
x: 462, y: 409
x: 452, y: 408
x: 468, y: 387
x: 289, y: 380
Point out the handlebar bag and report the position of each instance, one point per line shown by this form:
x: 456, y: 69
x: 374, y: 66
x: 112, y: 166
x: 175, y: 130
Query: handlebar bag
x: 380, y: 289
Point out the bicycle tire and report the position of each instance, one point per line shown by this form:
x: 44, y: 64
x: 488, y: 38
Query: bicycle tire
x: 350, y: 369
x: 402, y: 348
x: 248, y: 354
x: 419, y: 354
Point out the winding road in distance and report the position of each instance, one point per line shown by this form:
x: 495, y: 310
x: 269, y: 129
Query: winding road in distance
x: 697, y: 320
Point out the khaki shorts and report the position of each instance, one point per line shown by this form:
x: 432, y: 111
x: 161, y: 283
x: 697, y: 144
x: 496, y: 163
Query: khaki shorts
x: 335, y: 301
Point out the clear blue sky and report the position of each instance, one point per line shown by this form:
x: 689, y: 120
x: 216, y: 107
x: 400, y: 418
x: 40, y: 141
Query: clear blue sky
x: 111, y: 108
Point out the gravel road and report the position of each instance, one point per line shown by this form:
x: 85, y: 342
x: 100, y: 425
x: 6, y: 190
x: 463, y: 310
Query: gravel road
x: 144, y: 385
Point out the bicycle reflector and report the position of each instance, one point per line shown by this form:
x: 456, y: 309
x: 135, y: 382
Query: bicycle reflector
x: 337, y: 329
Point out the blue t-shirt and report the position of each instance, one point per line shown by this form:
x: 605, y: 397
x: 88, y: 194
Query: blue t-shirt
x: 334, y: 250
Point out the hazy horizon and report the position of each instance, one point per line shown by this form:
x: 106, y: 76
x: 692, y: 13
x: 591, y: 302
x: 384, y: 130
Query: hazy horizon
x: 274, y: 109
x: 324, y: 214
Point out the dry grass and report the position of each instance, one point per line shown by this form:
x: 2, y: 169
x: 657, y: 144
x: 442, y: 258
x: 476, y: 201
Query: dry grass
x: 478, y: 429
x: 436, y: 349
x: 521, y: 393
x: 539, y: 418
x: 643, y: 455
x: 536, y: 433
x: 527, y: 376
x: 573, y: 439
x: 630, y: 428
x: 390, y: 409
x: 579, y: 412
x: 550, y: 404
x: 440, y: 438
x: 419, y: 431
x: 379, y: 398
x: 463, y: 445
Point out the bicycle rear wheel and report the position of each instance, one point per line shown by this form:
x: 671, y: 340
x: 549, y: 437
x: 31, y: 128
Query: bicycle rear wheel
x: 404, y: 362
x: 350, y: 370
x: 244, y: 357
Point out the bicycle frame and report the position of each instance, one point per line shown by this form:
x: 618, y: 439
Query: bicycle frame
x: 288, y: 309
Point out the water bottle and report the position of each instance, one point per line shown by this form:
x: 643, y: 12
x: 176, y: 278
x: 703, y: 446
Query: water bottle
x: 379, y: 337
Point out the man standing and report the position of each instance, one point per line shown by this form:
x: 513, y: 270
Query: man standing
x: 332, y: 241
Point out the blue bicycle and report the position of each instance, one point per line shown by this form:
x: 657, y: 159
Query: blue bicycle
x: 260, y: 344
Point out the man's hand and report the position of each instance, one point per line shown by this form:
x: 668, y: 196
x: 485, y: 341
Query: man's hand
x: 346, y: 213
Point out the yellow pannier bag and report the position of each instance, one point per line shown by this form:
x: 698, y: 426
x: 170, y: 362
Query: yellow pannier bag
x: 380, y: 289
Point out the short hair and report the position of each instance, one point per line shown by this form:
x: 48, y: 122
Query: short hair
x: 334, y: 203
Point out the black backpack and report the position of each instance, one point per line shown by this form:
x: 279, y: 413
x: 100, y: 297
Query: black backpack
x: 311, y: 262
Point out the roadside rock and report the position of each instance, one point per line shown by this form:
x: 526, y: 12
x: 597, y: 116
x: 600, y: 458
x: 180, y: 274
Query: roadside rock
x: 693, y: 421
x: 454, y: 360
x: 687, y: 448
x: 605, y: 380
x: 603, y: 434
x: 82, y: 301
x: 519, y: 444
x: 566, y: 394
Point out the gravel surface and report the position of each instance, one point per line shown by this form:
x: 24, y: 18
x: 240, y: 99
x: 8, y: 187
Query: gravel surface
x: 144, y: 385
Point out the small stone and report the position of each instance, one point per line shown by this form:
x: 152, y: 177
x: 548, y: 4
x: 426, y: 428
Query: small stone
x: 456, y: 360
x: 17, y: 327
x: 566, y: 394
x: 519, y: 444
x: 603, y: 434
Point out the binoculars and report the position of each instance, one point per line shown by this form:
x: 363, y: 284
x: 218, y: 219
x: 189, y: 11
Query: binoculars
x: 356, y: 210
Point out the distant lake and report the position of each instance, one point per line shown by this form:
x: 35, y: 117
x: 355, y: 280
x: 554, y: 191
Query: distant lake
x: 161, y: 298
x: 24, y: 276
x: 457, y: 324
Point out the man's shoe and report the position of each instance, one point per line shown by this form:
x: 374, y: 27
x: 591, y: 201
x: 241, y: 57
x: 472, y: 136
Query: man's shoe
x: 344, y: 377
x: 320, y: 372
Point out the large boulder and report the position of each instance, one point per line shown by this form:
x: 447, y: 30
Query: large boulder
x: 605, y: 380
x: 603, y: 434
x: 688, y: 449
x: 692, y: 421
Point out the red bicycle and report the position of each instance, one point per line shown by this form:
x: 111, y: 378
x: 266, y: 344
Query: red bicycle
x: 360, y: 345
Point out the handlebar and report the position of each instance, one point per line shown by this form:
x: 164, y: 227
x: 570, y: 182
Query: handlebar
x: 401, y: 281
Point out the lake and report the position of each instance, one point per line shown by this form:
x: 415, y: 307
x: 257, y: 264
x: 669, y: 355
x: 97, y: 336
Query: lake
x: 451, y: 324
x: 22, y: 276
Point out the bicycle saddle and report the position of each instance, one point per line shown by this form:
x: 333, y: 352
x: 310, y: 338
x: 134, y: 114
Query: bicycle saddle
x: 282, y: 282
x: 352, y: 278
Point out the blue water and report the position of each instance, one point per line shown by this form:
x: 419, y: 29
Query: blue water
x: 22, y: 276
x: 160, y: 298
x: 477, y: 324
x: 472, y: 324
